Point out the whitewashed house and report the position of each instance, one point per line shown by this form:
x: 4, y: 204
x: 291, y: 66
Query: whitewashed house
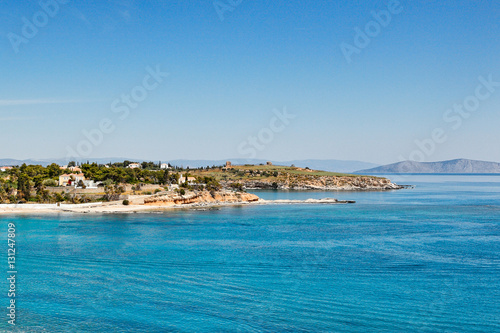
x: 134, y: 166
x: 71, y: 179
x: 190, y: 180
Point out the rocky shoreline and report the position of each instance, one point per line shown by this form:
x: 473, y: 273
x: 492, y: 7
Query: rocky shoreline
x: 227, y: 196
x: 318, y: 183
x: 160, y: 202
x: 119, y: 208
x: 223, y: 196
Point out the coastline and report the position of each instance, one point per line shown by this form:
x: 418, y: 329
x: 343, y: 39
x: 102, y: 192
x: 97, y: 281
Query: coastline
x: 118, y: 208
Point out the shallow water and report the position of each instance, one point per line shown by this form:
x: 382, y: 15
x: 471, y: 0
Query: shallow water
x: 425, y: 259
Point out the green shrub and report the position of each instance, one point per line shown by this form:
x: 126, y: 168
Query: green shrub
x: 126, y: 202
x: 236, y: 186
x: 50, y: 183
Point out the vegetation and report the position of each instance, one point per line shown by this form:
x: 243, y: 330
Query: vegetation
x: 35, y: 183
x: 268, y: 173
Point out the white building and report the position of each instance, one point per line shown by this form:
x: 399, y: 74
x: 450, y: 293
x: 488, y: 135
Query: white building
x: 190, y: 180
x: 71, y: 179
x: 134, y: 166
x: 164, y: 166
x: 90, y: 183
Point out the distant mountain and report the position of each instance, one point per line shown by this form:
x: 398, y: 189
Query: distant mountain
x: 12, y: 162
x: 326, y: 165
x: 452, y: 166
x: 60, y: 161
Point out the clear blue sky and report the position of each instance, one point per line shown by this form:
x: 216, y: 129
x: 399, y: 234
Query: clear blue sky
x: 226, y: 76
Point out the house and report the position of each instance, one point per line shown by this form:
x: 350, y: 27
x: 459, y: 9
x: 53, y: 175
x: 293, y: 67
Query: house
x: 5, y: 168
x: 71, y: 179
x: 75, y: 169
x: 64, y: 167
x: 134, y: 166
x: 164, y: 166
x: 269, y: 163
x: 190, y: 180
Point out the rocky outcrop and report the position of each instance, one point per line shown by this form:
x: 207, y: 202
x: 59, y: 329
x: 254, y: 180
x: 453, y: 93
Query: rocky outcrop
x: 200, y: 197
x: 326, y: 183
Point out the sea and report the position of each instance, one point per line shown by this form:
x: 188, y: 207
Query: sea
x: 422, y: 259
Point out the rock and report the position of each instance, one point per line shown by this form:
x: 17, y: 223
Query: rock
x: 201, y: 197
x: 325, y: 183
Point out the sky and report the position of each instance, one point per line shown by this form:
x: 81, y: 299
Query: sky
x: 375, y: 81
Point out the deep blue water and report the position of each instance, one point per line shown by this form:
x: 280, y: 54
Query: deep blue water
x: 419, y: 260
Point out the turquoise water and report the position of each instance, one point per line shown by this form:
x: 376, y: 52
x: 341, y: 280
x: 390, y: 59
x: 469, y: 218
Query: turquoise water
x: 426, y: 260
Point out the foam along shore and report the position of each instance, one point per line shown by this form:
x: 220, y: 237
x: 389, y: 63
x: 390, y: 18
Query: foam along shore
x: 118, y: 207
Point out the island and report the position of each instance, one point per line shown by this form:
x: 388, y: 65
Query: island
x: 132, y: 187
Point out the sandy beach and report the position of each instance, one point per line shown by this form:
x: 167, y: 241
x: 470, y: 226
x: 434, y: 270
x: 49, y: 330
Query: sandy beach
x: 117, y: 207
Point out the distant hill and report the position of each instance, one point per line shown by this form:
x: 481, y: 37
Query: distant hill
x: 452, y: 166
x: 60, y: 161
x: 13, y: 162
x: 326, y: 165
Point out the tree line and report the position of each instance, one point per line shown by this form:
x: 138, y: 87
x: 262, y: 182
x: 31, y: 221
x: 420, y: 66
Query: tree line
x: 30, y: 182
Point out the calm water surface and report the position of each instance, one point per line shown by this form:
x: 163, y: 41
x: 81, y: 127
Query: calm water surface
x: 425, y: 260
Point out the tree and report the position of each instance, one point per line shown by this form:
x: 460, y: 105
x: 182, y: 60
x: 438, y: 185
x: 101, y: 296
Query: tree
x: 23, y: 187
x: 212, y: 184
x: 165, y: 180
x: 71, y: 164
x: 112, y: 192
x: 53, y: 171
x: 41, y: 193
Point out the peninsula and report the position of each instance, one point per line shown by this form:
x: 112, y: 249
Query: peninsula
x: 132, y: 186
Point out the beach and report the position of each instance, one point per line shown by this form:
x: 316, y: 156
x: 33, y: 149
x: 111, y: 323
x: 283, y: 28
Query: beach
x: 117, y: 207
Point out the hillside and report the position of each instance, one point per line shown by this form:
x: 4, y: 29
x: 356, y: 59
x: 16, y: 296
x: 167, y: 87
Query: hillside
x: 451, y: 166
x: 327, y: 165
x: 286, y: 178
